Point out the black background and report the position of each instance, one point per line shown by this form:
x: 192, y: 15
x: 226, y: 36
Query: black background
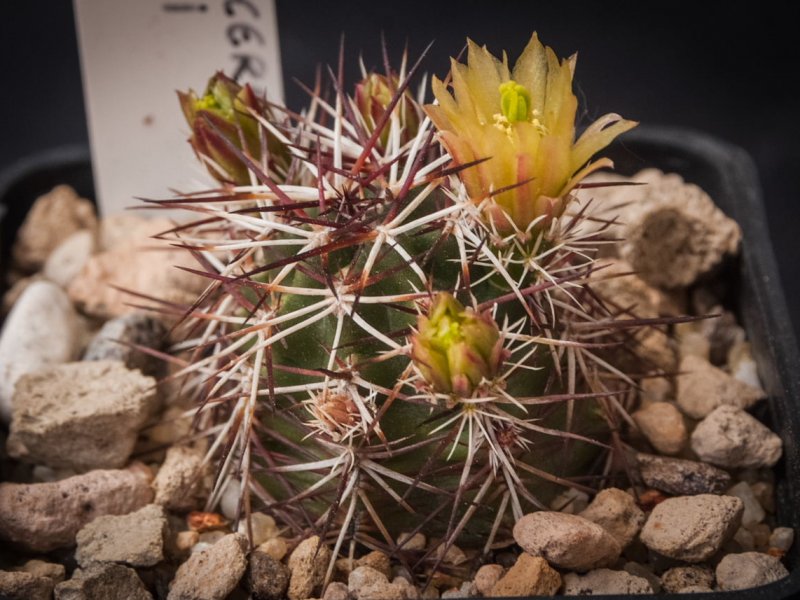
x: 727, y: 68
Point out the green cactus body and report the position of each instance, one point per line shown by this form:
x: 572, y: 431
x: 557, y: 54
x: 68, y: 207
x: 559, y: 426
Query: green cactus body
x: 379, y: 348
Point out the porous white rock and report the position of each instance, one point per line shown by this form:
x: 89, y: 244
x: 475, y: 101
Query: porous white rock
x: 677, y: 579
x: 179, y: 484
x: 730, y: 437
x: 692, y: 528
x: 307, y: 563
x: 81, y: 415
x: 52, y: 218
x: 213, y: 573
x: 616, y: 512
x: 672, y: 231
x: 605, y: 581
x: 135, y: 539
x: 748, y: 570
x: 102, y: 581
x: 138, y: 263
x: 662, y: 424
x: 702, y: 387
x: 566, y: 541
x: 46, y: 516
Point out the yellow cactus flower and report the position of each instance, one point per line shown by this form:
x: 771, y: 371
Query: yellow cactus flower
x: 523, y: 122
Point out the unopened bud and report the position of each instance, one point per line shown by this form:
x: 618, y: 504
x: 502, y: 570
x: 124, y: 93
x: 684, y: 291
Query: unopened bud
x: 220, y: 119
x: 455, y: 348
x: 374, y: 95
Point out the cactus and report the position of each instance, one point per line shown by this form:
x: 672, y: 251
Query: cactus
x: 399, y: 331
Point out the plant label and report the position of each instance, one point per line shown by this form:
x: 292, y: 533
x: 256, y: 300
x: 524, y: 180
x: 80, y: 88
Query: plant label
x: 134, y: 55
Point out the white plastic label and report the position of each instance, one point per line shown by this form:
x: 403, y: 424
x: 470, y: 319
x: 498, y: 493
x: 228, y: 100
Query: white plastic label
x: 135, y: 54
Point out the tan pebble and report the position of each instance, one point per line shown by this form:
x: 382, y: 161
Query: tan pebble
x: 186, y: 539
x: 307, y: 564
x: 275, y: 548
x: 566, y: 541
x: 409, y: 541
x: 486, y: 578
x: 530, y: 576
x: 662, y: 424
x: 616, y: 512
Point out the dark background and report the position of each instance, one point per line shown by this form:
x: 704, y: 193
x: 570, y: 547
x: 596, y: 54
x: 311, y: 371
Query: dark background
x: 726, y: 68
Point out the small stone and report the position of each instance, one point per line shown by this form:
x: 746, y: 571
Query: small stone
x: 566, y: 541
x: 213, y: 573
x: 672, y: 231
x: 486, y: 578
x: 692, y: 528
x: 308, y: 564
x: 753, y: 513
x: 46, y: 516
x: 697, y: 589
x: 654, y: 389
x: 677, y: 579
x: 662, y: 424
x: 453, y: 556
x: 53, y: 218
x: 18, y: 585
x: 764, y: 491
x: 571, y: 501
x: 268, y: 578
x: 211, y: 537
x: 681, y: 477
x: 42, y: 568
x: 530, y: 576
x: 605, y: 581
x: 275, y: 548
x: 41, y: 330
x: 179, y: 484
x: 761, y: 533
x: 743, y: 540
x: 82, y: 415
x: 66, y: 261
x: 730, y: 437
x: 229, y: 503
x: 645, y: 572
x: 117, y: 338
x: 467, y: 590
x: 743, y: 366
x: 185, y: 540
x: 693, y: 343
x: 782, y: 538
x: 135, y: 539
x: 378, y: 561
x: 748, y: 570
x: 140, y: 263
x: 617, y: 513
x: 408, y: 541
x: 337, y: 590
x: 366, y: 583
x: 702, y: 387
x: 262, y: 527
x: 103, y: 581
x: 173, y: 428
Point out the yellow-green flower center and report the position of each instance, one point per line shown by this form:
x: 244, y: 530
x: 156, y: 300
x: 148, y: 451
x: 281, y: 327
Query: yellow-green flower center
x: 515, y: 101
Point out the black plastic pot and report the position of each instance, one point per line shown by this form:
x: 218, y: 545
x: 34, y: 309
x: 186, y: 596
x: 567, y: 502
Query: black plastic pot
x: 32, y: 176
x: 723, y: 170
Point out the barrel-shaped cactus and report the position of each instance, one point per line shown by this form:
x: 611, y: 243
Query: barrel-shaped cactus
x: 399, y: 332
